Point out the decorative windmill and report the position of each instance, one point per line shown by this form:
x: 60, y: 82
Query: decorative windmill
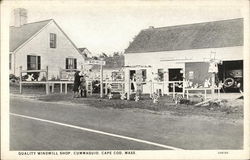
x: 213, y: 68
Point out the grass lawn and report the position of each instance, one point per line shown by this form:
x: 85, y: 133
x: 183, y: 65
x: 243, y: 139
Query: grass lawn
x: 227, y: 109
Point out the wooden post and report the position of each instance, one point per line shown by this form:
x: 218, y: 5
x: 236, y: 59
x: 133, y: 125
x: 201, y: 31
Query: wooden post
x: 151, y: 88
x: 129, y: 87
x: 87, y: 86
x: 183, y: 89
x: 173, y: 89
x: 53, y: 87
x: 101, y: 81
x: 163, y: 88
x: 122, y: 87
x: 20, y: 81
x: 213, y: 84
x: 47, y: 87
x: 106, y: 88
x: 47, y: 79
x: 218, y: 92
x: 61, y: 87
x: 66, y: 88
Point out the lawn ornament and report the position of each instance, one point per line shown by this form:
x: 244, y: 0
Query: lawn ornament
x: 196, y: 85
x: 123, y: 96
x: 177, y: 99
x: 186, y: 83
x: 137, y: 98
x: 190, y: 84
x: 110, y: 95
x: 30, y: 77
x: 155, y: 97
x: 207, y: 83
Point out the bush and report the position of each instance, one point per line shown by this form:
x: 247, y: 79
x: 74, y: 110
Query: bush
x: 13, y: 78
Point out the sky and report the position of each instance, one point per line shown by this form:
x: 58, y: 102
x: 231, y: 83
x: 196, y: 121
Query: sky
x: 110, y: 27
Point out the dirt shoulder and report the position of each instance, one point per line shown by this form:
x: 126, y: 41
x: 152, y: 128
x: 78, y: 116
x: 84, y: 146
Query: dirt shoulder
x: 229, y: 110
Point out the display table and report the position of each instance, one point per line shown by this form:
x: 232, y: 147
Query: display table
x: 187, y: 90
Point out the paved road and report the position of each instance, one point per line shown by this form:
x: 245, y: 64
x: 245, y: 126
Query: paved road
x: 36, y: 125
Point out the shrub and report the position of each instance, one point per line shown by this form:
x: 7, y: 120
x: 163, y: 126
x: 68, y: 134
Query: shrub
x: 13, y: 78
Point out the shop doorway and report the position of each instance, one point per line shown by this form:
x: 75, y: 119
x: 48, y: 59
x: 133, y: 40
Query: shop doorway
x: 231, y: 74
x: 175, y: 74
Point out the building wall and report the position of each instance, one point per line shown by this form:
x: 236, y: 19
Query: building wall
x: 54, y: 58
x: 177, y: 59
x: 161, y: 58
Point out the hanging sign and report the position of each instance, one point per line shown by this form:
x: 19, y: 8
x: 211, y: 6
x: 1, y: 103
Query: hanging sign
x: 213, y: 67
x: 191, y: 75
x: 96, y: 62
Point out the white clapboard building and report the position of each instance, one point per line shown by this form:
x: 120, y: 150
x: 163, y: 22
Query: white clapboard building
x: 33, y: 46
x: 184, y: 51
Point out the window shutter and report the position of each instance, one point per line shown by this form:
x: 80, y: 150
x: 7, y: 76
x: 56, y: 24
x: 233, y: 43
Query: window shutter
x: 50, y: 40
x: 10, y: 61
x: 67, y: 61
x: 54, y: 40
x: 28, y: 62
x: 75, y: 63
x: 38, y: 62
x: 144, y: 74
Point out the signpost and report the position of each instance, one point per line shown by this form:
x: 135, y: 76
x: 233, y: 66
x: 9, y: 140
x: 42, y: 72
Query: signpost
x: 101, y: 63
x: 96, y: 62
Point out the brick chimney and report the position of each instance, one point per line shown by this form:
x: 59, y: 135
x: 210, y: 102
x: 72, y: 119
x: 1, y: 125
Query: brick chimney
x: 20, y: 17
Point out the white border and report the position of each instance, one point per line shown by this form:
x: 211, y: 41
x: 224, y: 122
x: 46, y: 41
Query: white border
x: 187, y: 154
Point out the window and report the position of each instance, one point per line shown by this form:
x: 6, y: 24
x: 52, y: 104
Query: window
x: 144, y: 74
x: 131, y: 74
x: 71, y: 63
x: 10, y: 60
x: 33, y: 62
x: 52, y: 42
x: 160, y: 74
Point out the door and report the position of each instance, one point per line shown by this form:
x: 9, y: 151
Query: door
x: 175, y: 74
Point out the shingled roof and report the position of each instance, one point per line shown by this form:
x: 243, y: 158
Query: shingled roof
x: 19, y: 35
x: 216, y: 34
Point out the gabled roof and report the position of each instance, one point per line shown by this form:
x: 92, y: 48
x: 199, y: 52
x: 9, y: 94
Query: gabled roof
x: 82, y: 49
x: 217, y: 34
x: 85, y: 52
x: 19, y: 35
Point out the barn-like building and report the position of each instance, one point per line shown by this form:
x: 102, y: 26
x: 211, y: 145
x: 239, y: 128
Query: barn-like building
x: 180, y: 52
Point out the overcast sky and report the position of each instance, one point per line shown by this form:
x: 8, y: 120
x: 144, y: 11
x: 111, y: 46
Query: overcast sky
x: 109, y: 27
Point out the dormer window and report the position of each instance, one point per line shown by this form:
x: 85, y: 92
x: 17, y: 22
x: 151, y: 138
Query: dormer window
x: 52, y: 42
